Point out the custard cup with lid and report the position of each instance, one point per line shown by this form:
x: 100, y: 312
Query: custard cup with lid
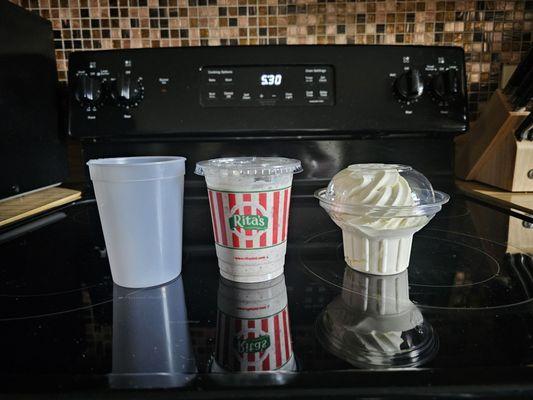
x: 249, y: 198
x: 379, y: 208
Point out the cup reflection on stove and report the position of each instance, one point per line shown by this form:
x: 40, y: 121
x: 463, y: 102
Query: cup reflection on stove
x: 253, y: 333
x: 151, y: 340
x: 373, y: 324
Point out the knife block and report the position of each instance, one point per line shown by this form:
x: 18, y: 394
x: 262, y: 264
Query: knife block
x: 519, y: 237
x: 490, y: 153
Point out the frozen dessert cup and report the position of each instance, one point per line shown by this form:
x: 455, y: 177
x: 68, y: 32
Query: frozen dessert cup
x: 253, y: 333
x: 140, y: 202
x: 249, y: 199
x: 379, y: 208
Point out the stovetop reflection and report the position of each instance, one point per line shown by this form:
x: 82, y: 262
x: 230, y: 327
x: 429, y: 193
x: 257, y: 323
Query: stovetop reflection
x: 252, y: 333
x: 373, y: 324
x: 151, y: 340
x: 465, y: 301
x: 447, y: 270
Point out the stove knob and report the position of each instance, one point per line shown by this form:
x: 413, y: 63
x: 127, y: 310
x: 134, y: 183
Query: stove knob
x: 409, y: 85
x: 446, y: 85
x: 88, y: 90
x: 127, y: 91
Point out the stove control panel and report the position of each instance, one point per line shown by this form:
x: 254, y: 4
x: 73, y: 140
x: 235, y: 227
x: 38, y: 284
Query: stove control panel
x: 268, y: 90
x: 434, y: 84
x: 272, y: 85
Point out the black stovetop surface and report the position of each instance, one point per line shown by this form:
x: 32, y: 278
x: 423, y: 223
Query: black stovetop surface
x: 66, y: 327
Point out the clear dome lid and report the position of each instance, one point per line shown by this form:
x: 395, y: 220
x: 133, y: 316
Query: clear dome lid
x: 249, y: 166
x: 381, y: 190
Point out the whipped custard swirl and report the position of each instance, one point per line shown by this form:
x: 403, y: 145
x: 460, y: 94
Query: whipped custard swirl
x: 363, y: 185
x: 385, y: 187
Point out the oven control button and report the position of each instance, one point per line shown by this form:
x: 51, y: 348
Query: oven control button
x: 127, y: 91
x: 228, y: 94
x: 409, y: 85
x: 446, y: 85
x: 88, y: 91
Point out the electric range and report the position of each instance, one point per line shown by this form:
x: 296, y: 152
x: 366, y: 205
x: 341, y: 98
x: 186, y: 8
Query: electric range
x: 460, y: 321
x: 67, y: 327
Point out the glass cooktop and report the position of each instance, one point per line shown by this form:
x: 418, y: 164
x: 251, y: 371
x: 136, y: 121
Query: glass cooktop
x: 460, y: 317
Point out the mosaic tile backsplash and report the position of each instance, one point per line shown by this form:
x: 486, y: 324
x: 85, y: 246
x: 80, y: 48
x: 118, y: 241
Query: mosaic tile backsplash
x: 492, y: 32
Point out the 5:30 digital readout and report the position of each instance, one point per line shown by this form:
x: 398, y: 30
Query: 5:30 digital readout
x: 271, y: 79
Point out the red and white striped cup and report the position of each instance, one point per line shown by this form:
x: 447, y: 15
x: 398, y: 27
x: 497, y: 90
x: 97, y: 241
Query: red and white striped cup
x: 253, y: 331
x: 249, y: 198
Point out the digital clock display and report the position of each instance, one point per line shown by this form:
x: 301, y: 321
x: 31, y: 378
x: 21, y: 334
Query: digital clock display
x: 267, y: 85
x: 271, y: 79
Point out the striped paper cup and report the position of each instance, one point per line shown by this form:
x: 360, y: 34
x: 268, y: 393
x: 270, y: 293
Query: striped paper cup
x: 253, y: 333
x: 249, y: 199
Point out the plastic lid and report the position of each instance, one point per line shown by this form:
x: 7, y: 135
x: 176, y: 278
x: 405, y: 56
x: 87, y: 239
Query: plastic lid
x: 249, y: 166
x: 375, y: 190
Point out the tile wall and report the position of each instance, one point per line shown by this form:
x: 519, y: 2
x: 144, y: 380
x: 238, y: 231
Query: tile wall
x: 492, y: 32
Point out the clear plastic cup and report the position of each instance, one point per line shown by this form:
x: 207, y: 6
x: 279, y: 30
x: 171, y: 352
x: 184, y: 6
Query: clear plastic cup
x: 379, y: 208
x: 140, y: 202
x: 249, y: 199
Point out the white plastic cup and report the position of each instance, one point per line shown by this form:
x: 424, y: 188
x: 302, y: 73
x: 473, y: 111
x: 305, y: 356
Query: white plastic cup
x: 383, y: 253
x: 140, y: 201
x: 250, y: 199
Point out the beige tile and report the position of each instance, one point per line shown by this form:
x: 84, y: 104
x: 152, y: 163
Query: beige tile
x: 340, y: 39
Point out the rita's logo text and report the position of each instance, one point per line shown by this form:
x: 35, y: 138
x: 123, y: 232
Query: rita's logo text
x: 248, y: 222
x: 252, y: 345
